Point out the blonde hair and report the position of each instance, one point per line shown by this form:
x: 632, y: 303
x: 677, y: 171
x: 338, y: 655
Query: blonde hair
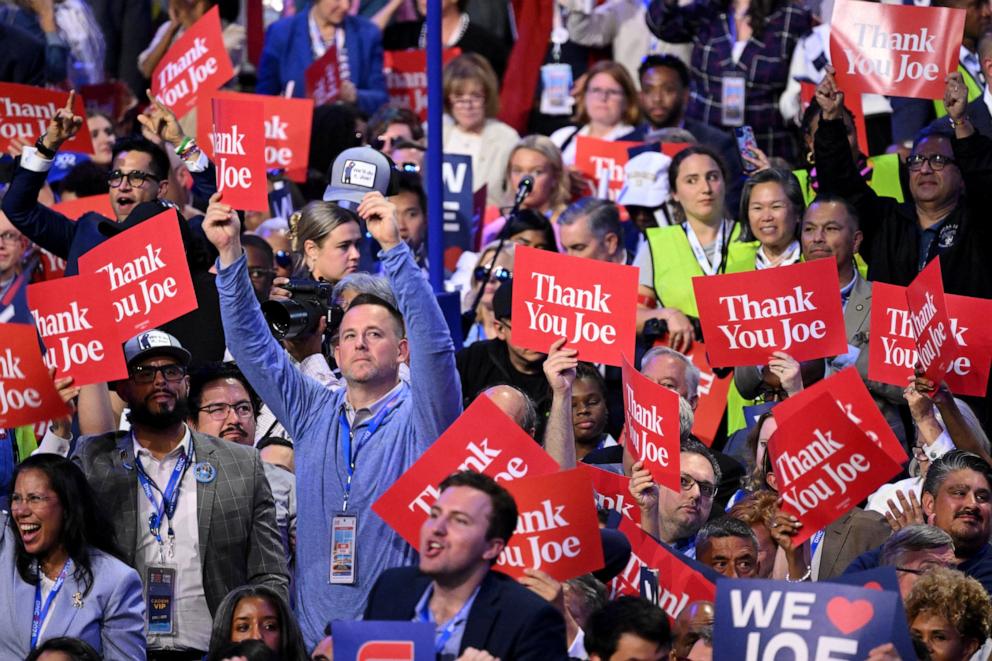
x: 543, y: 145
x: 315, y: 221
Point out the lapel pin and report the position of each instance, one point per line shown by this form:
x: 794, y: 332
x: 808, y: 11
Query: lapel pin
x: 77, y: 600
x: 204, y: 472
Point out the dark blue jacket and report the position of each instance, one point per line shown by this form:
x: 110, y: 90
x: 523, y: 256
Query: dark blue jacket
x: 978, y: 566
x: 287, y: 54
x: 506, y: 619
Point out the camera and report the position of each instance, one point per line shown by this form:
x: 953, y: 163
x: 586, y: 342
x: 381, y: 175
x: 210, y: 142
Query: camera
x: 656, y: 329
x: 291, y: 318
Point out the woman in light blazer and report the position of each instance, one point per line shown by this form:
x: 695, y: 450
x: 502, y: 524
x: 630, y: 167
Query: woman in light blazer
x: 59, y: 574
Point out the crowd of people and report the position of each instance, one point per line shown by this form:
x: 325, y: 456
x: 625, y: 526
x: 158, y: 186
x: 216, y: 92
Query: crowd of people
x: 169, y: 517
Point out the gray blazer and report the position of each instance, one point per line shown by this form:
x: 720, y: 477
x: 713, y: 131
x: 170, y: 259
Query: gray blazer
x: 110, y: 617
x: 239, y: 541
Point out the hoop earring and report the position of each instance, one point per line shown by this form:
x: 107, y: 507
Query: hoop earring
x: 810, y: 158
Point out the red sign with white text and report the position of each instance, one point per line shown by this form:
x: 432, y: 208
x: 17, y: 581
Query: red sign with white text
x: 146, y: 270
x: 197, y: 63
x: 896, y: 50
x: 25, y: 112
x: 653, y: 426
x: 712, y: 393
x: 892, y: 352
x: 75, y: 320
x: 406, y: 78
x: 824, y: 464
x: 935, y: 345
x: 557, y: 527
x: 238, y: 144
x: 678, y: 583
x: 795, y: 309
x: 77, y: 208
x: 852, y: 396
x: 287, y: 130
x: 27, y: 394
x: 52, y: 267
x: 592, y: 304
x: 323, y: 78
x: 602, y: 162
x: 483, y: 439
x: 612, y: 491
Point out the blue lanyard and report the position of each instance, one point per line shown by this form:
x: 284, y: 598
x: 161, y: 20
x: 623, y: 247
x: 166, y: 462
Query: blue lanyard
x: 41, y: 612
x: 170, y: 497
x: 817, y: 538
x: 441, y: 638
x: 732, y: 28
x: 372, y: 427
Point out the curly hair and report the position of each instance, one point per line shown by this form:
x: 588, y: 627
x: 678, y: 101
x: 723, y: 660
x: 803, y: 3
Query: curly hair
x: 759, y: 507
x: 958, y: 598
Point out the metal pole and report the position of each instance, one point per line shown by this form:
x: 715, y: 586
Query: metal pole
x: 435, y: 189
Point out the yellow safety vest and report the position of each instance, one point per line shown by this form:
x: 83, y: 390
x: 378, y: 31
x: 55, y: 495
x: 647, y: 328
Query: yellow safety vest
x: 974, y: 91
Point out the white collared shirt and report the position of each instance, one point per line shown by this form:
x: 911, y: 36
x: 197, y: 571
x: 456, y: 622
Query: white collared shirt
x: 192, y: 616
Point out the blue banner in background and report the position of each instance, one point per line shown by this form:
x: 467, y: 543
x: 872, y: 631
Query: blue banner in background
x: 370, y: 640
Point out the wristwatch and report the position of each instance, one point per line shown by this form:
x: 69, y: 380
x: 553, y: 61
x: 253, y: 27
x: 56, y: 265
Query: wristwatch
x: 957, y: 123
x: 42, y: 149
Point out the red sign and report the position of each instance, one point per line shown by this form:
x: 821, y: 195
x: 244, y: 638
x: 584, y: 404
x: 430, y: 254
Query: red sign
x: 557, y: 527
x: 892, y: 352
x: 238, y: 144
x: 612, y: 491
x: 52, y: 267
x: 853, y: 398
x: 27, y: 394
x: 406, y: 78
x: 113, y: 99
x: 75, y: 209
x: 75, y: 320
x: 602, y: 161
x: 824, y: 465
x: 592, y: 304
x: 795, y: 309
x: 146, y: 270
x: 935, y: 345
x: 678, y: 583
x: 895, y: 50
x: 482, y: 439
x: 653, y: 426
x: 25, y: 112
x: 197, y: 63
x: 712, y: 393
x: 287, y: 130
x: 323, y: 78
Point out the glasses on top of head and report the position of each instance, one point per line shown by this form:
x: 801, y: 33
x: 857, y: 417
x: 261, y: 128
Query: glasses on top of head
x: 937, y: 162
x: 499, y: 274
x: 146, y: 373
x: 135, y: 178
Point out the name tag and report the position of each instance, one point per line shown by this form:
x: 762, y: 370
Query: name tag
x: 160, y: 592
x: 556, y: 95
x: 732, y: 99
x: 344, y: 533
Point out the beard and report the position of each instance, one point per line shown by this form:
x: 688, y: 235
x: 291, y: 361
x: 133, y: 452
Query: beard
x: 141, y: 414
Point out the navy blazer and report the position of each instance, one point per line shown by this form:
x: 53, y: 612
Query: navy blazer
x: 110, y: 617
x: 287, y: 54
x: 507, y: 620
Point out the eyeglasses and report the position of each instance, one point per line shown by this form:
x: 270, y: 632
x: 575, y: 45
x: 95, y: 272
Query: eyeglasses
x: 603, y: 93
x: 146, y: 373
x: 706, y: 490
x: 498, y: 275
x: 10, y: 237
x: 220, y: 410
x: 936, y: 161
x: 260, y: 273
x: 32, y: 500
x: 468, y: 100
x: 135, y: 178
x: 284, y: 258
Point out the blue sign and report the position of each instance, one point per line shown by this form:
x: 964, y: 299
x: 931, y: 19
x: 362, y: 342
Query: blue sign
x: 456, y: 174
x: 759, y: 619
x: 371, y: 640
x: 752, y: 413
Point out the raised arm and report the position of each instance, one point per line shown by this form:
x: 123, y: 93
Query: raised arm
x: 559, y: 435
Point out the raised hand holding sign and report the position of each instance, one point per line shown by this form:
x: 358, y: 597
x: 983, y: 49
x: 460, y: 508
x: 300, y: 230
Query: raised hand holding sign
x: 379, y: 215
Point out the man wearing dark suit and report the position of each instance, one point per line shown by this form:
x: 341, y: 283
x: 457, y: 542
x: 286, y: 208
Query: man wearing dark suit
x: 472, y: 608
x: 664, y: 96
x: 181, y: 502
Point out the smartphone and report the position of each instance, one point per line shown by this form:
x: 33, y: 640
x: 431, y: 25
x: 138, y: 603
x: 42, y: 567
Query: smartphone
x: 746, y: 144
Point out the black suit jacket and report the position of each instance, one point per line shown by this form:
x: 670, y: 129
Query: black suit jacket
x: 507, y: 620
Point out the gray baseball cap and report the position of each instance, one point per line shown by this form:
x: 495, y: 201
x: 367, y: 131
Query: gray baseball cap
x: 154, y: 343
x: 355, y: 172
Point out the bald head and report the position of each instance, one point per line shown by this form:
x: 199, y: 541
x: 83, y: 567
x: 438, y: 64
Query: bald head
x: 516, y: 405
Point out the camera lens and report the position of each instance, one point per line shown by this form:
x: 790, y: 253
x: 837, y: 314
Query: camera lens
x: 288, y: 319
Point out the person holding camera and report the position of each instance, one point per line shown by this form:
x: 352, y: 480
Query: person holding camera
x: 353, y: 443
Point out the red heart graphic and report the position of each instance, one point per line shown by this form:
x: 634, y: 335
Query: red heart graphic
x: 849, y: 616
x: 874, y: 585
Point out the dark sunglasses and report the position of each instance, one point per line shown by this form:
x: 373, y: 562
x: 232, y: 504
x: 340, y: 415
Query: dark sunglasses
x: 499, y: 275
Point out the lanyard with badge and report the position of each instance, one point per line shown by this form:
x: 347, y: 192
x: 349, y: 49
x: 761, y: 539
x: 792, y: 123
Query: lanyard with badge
x: 717, y: 264
x: 344, y: 525
x: 733, y: 86
x: 161, y: 578
x: 556, y: 77
x: 40, y: 613
x: 442, y: 637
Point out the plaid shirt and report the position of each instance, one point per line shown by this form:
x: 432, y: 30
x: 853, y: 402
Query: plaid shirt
x: 764, y: 62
